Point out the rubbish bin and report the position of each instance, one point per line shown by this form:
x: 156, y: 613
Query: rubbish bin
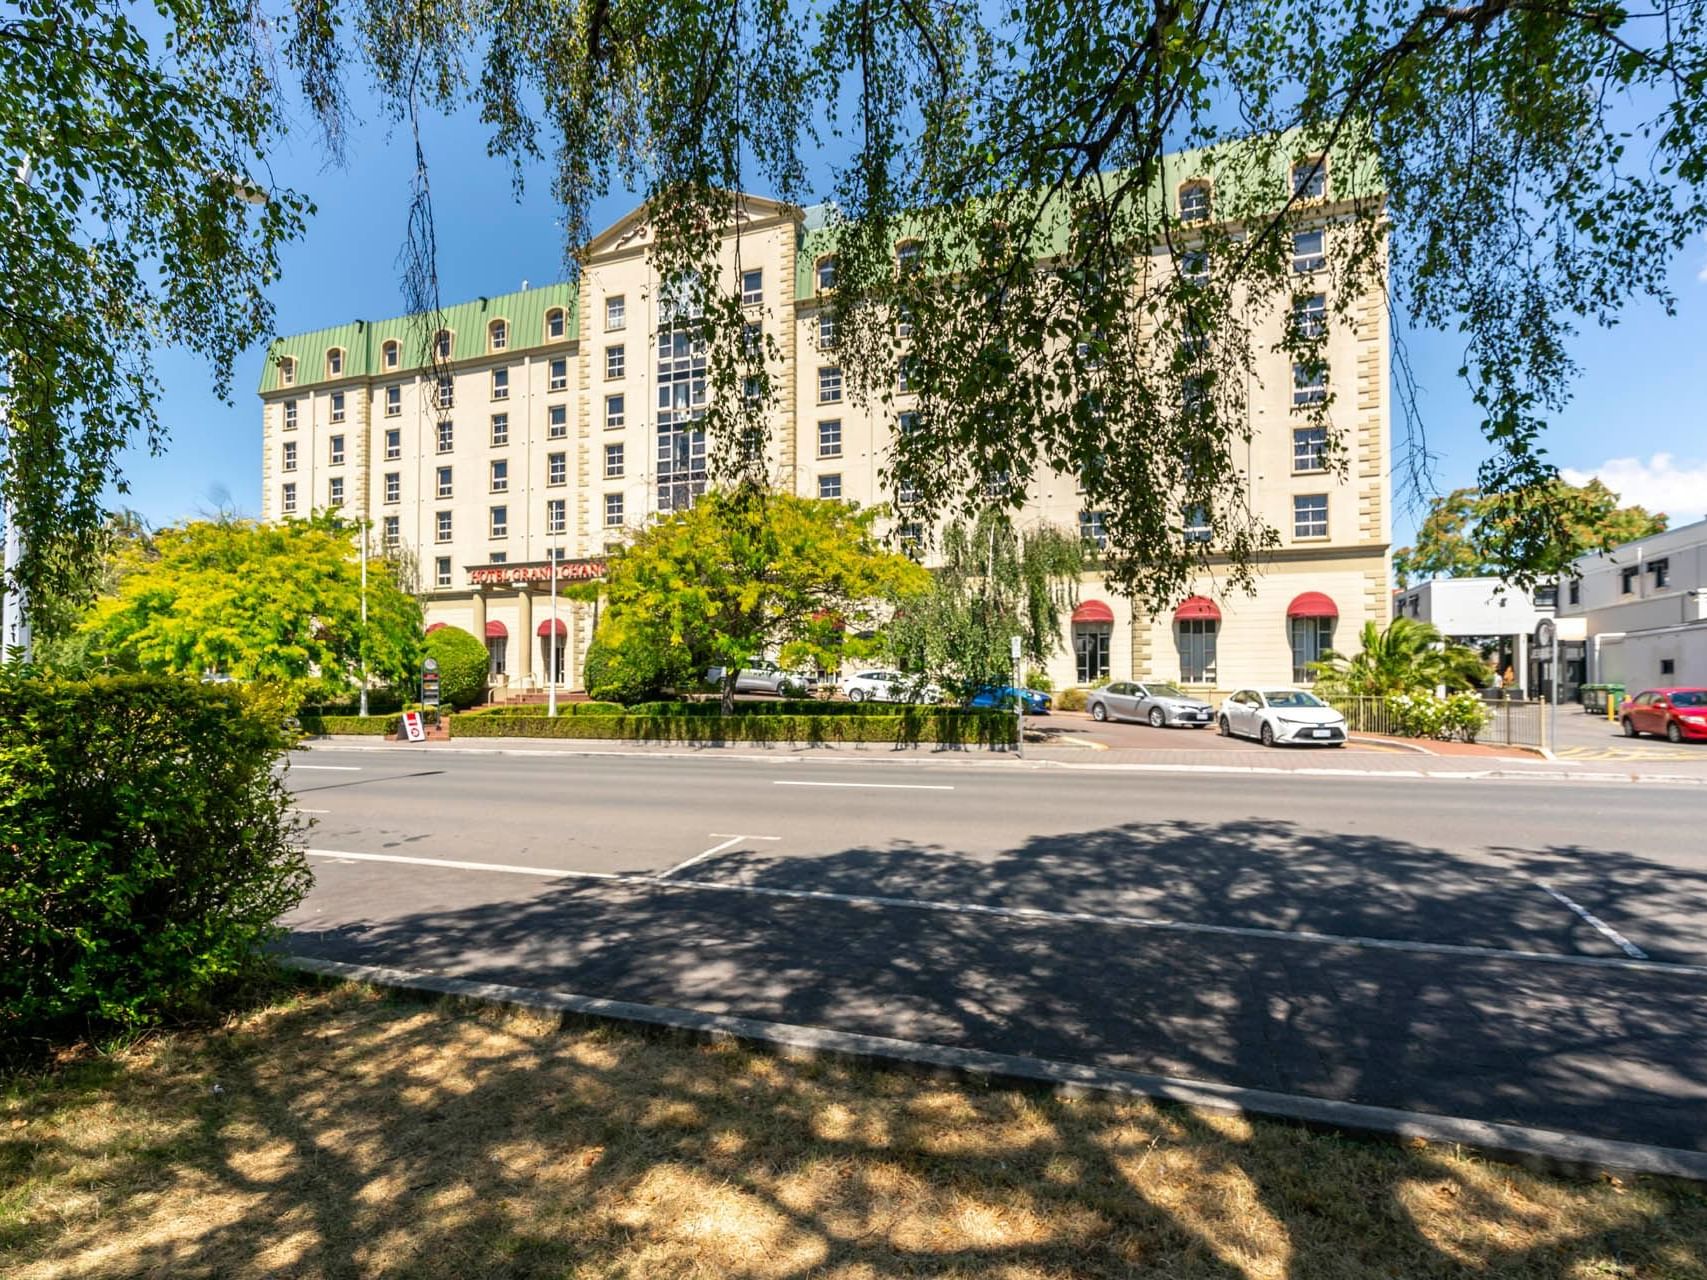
x: 1602, y: 699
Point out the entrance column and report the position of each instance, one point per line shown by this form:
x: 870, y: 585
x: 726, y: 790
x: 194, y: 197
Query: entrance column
x: 524, y: 641
x: 479, y: 603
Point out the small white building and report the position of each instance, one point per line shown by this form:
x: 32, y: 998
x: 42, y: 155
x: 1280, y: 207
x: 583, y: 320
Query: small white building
x: 1644, y: 610
x: 1486, y: 613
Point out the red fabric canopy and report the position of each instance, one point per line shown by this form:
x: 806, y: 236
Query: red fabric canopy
x: 1312, y: 604
x: 544, y: 628
x: 496, y: 631
x: 1093, y: 611
x: 1197, y: 607
x: 435, y: 627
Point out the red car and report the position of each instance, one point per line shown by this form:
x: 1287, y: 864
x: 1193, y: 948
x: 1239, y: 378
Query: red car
x: 1679, y: 714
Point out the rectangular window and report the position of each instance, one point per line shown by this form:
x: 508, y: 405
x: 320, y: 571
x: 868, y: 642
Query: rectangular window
x: 1090, y: 652
x: 1310, y: 179
x: 289, y: 499
x: 830, y: 486
x: 1194, y: 266
x: 394, y: 401
x: 441, y: 572
x: 616, y: 360
x: 500, y: 526
x: 446, y: 437
x: 1093, y: 531
x: 615, y: 416
x: 1194, y: 202
x: 613, y: 461
x: 290, y: 455
x: 1197, y: 650
x: 557, y: 374
x: 829, y: 384
x: 447, y: 391
x: 442, y: 527
x: 389, y: 532
x: 499, y: 557
x: 1627, y: 581
x: 904, y: 322
x: 556, y: 515
x: 1309, y: 383
x: 1668, y: 666
x: 287, y: 372
x: 556, y: 468
x: 394, y: 486
x: 1309, y: 251
x: 1311, y: 638
x: 830, y: 438
x: 337, y: 406
x: 826, y: 330
x: 613, y: 509
x: 905, y: 378
x: 826, y: 273
x: 444, y: 344
x: 393, y: 444
x: 909, y: 423
x: 500, y: 429
x: 500, y: 384
x: 335, y: 450
x: 906, y: 493
x: 682, y: 391
x: 753, y: 339
x: 752, y: 288
x: 1576, y: 591
x: 1197, y: 526
x: 334, y: 363
x: 554, y: 325
x: 1309, y: 448
x: 500, y: 335
x: 616, y: 312
x: 1310, y: 315
x: 335, y: 491
x: 1310, y: 515
x: 444, y: 482
x: 1661, y: 569
x: 391, y: 355
x: 290, y: 415
x: 500, y: 475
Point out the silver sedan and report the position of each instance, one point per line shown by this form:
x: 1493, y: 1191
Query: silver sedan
x: 1160, y: 704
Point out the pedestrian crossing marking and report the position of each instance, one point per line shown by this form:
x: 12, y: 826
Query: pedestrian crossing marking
x: 1628, y: 753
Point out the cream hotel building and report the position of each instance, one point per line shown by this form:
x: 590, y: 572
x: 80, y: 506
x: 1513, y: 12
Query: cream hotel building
x: 567, y: 420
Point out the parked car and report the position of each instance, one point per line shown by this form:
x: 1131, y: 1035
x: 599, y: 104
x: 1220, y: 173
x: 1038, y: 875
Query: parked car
x: 1002, y: 696
x: 1680, y: 714
x: 1160, y: 704
x: 760, y: 675
x: 889, y: 686
x: 1277, y: 716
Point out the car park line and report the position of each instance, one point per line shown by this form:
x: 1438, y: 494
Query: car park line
x: 1039, y: 915
x: 715, y: 849
x: 1599, y: 926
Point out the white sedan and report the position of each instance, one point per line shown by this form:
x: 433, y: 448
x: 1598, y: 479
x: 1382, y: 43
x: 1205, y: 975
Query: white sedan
x: 888, y: 686
x: 1276, y: 716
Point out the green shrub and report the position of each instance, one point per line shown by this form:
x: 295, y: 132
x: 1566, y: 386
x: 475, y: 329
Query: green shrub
x: 949, y: 727
x: 627, y: 667
x: 1037, y: 678
x: 149, y: 847
x: 368, y: 726
x: 380, y: 702
x: 1424, y: 715
x: 1073, y: 700
x: 462, y: 666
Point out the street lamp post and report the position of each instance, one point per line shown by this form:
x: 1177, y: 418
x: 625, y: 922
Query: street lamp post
x: 364, y: 616
x: 551, y: 696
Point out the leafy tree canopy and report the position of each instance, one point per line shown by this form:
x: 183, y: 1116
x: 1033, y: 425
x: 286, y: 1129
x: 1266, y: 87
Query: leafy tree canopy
x: 1537, y: 165
x: 259, y: 602
x: 463, y: 665
x: 995, y: 583
x: 1470, y: 534
x: 743, y: 574
x: 1408, y: 656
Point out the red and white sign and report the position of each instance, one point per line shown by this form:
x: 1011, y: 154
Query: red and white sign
x: 567, y: 571
x: 413, y: 729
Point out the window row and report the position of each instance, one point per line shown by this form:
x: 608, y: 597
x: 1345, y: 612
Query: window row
x: 556, y: 328
x: 1309, y: 182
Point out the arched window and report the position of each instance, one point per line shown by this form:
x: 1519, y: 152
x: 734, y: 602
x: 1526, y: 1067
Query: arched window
x: 391, y: 353
x: 1310, y: 178
x: 335, y: 362
x: 554, y: 324
x: 443, y: 344
x: 907, y: 255
x: 498, y: 335
x: 1194, y: 202
x: 826, y: 271
x: 287, y: 371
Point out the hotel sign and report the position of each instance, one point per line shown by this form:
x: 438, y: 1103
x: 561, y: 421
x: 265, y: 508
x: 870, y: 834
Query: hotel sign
x: 567, y: 571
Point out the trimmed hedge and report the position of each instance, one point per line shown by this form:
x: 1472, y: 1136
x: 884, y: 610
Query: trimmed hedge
x: 369, y: 726
x: 534, y: 710
x: 785, y: 707
x: 948, y: 727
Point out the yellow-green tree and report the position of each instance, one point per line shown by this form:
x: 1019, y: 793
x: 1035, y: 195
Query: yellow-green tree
x: 255, y: 601
x: 745, y: 573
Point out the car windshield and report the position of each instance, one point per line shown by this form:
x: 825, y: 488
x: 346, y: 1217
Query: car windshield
x: 1166, y: 691
x: 1292, y: 698
x: 1690, y: 698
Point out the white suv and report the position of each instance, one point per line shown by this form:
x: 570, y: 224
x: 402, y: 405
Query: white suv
x: 889, y: 686
x: 761, y: 675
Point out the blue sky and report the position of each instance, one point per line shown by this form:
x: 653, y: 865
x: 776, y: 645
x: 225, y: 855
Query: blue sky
x: 1636, y: 419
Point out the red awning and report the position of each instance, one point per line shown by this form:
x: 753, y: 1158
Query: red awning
x: 496, y: 631
x: 437, y: 626
x: 1312, y: 604
x: 1197, y: 607
x: 544, y: 628
x: 1093, y: 611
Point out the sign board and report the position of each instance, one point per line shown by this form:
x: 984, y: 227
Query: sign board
x: 566, y: 571
x: 1013, y: 647
x: 413, y: 729
x: 1545, y: 630
x: 430, y: 682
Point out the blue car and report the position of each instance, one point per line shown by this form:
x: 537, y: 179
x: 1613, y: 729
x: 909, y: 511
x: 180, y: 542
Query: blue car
x: 1001, y: 697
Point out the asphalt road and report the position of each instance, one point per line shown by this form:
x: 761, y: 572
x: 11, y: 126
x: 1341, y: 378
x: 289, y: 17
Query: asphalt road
x: 1511, y: 951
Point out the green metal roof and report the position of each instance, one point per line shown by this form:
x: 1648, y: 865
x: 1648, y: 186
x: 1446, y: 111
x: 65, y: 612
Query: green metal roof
x: 362, y: 340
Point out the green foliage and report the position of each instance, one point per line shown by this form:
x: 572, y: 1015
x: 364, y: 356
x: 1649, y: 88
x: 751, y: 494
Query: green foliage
x: 1426, y: 715
x: 279, y: 602
x: 1409, y: 656
x: 463, y: 666
x: 994, y: 583
x: 533, y: 710
x: 1073, y: 700
x: 742, y: 573
x: 629, y: 663
x: 771, y: 707
x: 1471, y: 534
x: 149, y: 844
x: 912, y: 725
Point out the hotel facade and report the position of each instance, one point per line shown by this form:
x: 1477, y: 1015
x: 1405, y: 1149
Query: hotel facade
x: 558, y: 419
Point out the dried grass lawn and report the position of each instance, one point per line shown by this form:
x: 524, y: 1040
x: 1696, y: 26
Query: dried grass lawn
x: 345, y: 1133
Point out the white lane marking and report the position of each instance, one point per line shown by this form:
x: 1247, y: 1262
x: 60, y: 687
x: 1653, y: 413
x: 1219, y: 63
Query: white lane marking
x: 1598, y: 925
x: 300, y: 809
x: 330, y: 768
x: 882, y: 786
x: 1038, y: 914
x: 715, y: 834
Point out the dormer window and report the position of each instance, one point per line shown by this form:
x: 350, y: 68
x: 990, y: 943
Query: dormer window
x: 1310, y: 178
x: 554, y: 324
x: 391, y: 354
x: 1194, y: 202
x: 442, y: 344
x: 335, y: 363
x: 498, y: 335
x: 287, y: 371
x: 826, y: 273
x: 907, y: 255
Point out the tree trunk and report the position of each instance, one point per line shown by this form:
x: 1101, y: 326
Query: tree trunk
x: 730, y: 675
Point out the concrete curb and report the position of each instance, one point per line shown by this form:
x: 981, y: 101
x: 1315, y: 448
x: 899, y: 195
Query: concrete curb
x: 1542, y: 1149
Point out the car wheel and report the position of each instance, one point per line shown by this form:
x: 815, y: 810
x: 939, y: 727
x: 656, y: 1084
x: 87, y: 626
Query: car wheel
x: 1226, y: 730
x: 856, y: 695
x: 1158, y: 718
x: 1099, y: 712
x: 1673, y: 732
x: 1629, y: 727
x: 1267, y: 734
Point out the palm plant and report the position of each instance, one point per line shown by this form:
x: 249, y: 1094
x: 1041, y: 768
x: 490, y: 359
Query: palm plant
x: 1409, y: 656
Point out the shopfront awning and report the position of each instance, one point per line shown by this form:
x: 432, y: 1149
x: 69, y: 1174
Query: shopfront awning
x: 1312, y: 604
x: 1093, y: 611
x: 544, y: 628
x: 496, y: 631
x: 1197, y: 607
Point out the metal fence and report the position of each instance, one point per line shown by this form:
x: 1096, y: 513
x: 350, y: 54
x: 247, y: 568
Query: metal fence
x: 1511, y: 722
x: 1364, y: 715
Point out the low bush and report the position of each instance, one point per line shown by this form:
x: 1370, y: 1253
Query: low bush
x: 149, y: 847
x: 1073, y: 700
x: 949, y: 727
x: 463, y: 662
x: 1425, y: 715
x: 375, y: 726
